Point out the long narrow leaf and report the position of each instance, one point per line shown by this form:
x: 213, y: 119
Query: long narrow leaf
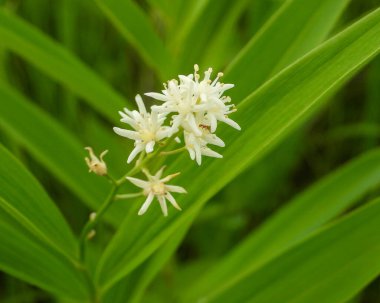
x: 134, y: 26
x: 330, y: 267
x: 32, y: 45
x: 301, y: 217
x: 295, y: 29
x: 31, y: 202
x: 36, y: 242
x: 53, y: 147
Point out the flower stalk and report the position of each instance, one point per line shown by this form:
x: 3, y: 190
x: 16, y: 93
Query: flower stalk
x: 89, y: 228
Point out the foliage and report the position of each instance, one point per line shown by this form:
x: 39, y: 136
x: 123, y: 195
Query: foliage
x: 307, y: 89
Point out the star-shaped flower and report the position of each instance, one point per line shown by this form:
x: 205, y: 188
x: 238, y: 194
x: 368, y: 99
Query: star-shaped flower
x: 148, y: 128
x: 155, y: 187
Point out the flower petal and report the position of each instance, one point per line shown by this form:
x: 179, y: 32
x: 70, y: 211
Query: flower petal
x: 210, y: 153
x: 213, y: 122
x: 149, y: 146
x: 146, y: 204
x: 175, y: 189
x: 138, y: 182
x: 135, y: 152
x: 231, y: 123
x: 159, y: 172
x: 163, y: 205
x: 172, y: 201
x: 193, y: 125
x: 140, y: 104
x: 126, y: 133
x: 157, y: 96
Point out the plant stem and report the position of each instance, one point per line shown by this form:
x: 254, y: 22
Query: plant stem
x: 173, y: 152
x: 88, y: 229
x: 127, y: 196
x: 90, y: 225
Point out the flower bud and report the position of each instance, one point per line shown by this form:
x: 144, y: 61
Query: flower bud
x: 95, y: 165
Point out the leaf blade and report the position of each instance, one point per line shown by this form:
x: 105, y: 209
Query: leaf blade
x: 328, y: 259
x: 53, y: 146
x: 34, y: 234
x: 302, y: 217
x: 58, y: 63
x: 297, y: 27
x: 134, y: 25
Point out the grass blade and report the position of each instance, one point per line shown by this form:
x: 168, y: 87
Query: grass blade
x: 296, y: 28
x: 36, y: 242
x: 38, y: 49
x: 134, y: 25
x: 330, y: 267
x: 53, y: 146
x: 302, y: 216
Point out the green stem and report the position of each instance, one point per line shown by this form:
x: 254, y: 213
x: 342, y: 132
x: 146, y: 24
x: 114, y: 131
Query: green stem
x: 128, y: 196
x: 173, y: 152
x: 90, y: 225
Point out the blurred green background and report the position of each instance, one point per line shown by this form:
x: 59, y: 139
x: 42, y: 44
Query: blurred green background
x: 347, y: 127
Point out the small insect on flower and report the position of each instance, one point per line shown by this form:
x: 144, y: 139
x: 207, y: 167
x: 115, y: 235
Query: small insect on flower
x: 95, y: 165
x: 155, y: 187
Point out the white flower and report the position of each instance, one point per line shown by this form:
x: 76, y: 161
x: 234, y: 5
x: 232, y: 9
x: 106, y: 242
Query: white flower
x: 190, y: 98
x: 156, y: 187
x: 211, y: 93
x: 95, y: 165
x: 148, y: 128
x: 197, y: 145
x: 179, y: 98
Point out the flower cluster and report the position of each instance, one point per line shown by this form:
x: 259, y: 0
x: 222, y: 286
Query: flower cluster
x: 190, y: 108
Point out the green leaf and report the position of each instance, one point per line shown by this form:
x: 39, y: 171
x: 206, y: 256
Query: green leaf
x: 146, y: 273
x: 266, y: 117
x: 329, y: 267
x: 198, y: 30
x: 54, y: 147
x: 36, y: 242
x: 172, y: 13
x: 225, y: 37
x: 194, y: 12
x: 38, y: 49
x: 135, y: 26
x: 296, y: 28
x: 31, y: 205
x: 28, y: 258
x: 302, y: 216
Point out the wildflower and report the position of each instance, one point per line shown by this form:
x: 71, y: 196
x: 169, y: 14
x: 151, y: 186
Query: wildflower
x: 211, y: 93
x: 95, y: 165
x: 148, y: 128
x: 179, y: 99
x: 191, y: 99
x: 156, y: 187
x: 197, y: 145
